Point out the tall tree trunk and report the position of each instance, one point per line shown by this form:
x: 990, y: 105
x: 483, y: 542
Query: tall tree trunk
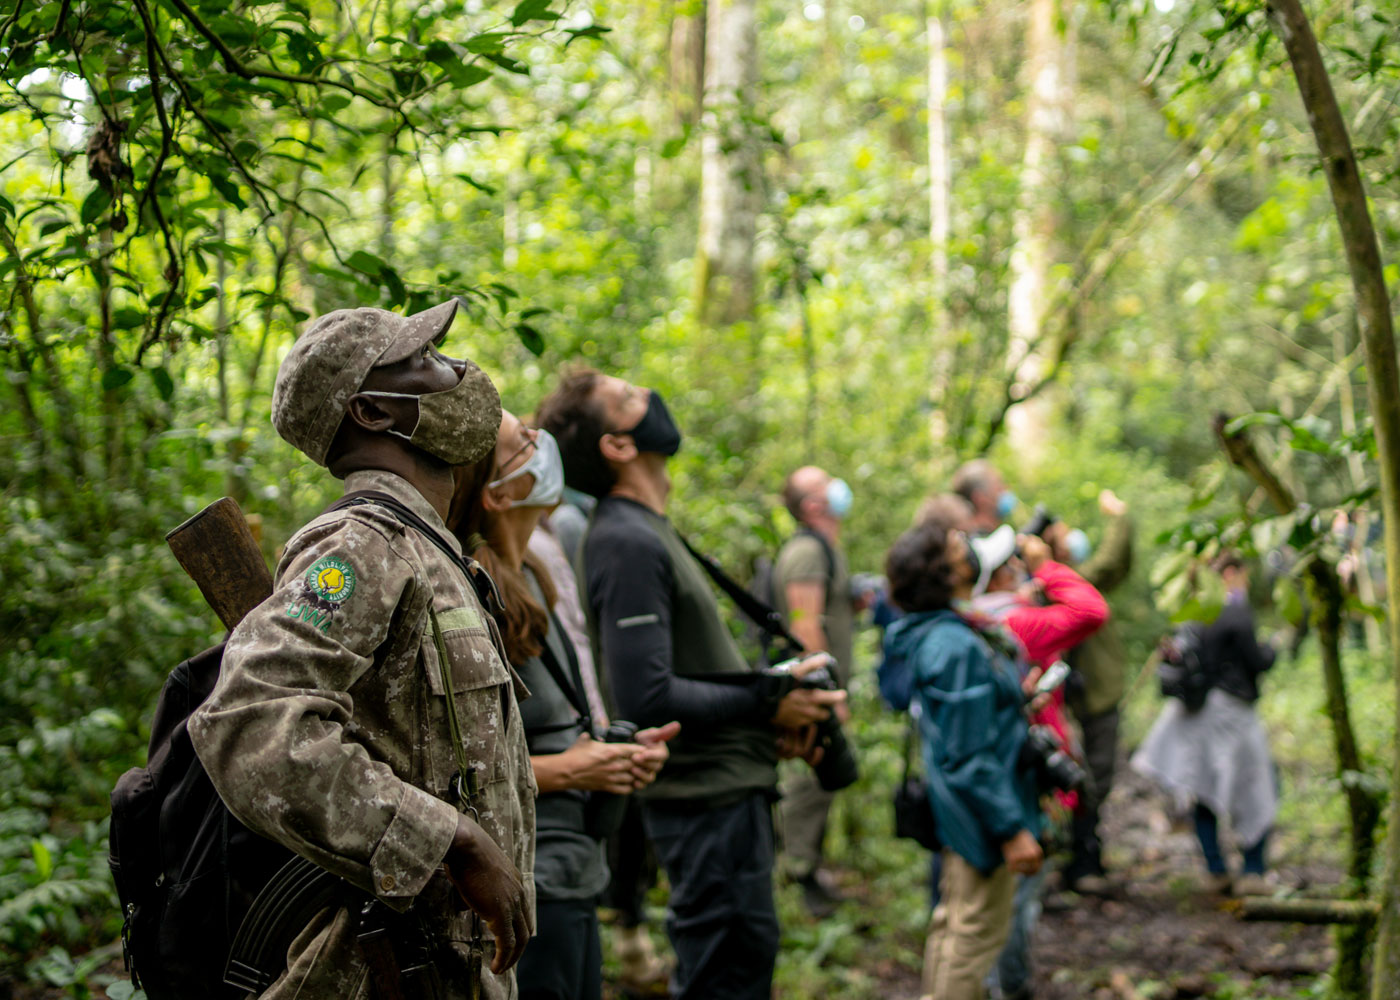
x: 1325, y: 589
x: 69, y: 427
x: 1356, y: 467
x: 731, y: 189
x: 1050, y: 83
x: 1382, y: 388
x: 940, y: 197
x: 106, y: 351
x: 1363, y: 811
x: 687, y: 62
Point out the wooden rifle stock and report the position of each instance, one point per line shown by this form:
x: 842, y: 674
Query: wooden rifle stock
x: 217, y: 549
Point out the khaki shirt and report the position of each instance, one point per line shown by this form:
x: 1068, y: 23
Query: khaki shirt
x: 803, y: 560
x: 328, y: 730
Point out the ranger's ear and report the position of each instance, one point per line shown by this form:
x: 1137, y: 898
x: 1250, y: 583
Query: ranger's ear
x: 375, y: 413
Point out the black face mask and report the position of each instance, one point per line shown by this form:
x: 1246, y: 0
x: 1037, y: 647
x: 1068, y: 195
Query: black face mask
x: 656, y: 431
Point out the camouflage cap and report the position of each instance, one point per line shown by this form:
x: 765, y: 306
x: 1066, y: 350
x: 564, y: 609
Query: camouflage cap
x: 329, y: 362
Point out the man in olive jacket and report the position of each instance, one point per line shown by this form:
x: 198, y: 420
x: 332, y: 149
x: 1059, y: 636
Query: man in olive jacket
x: 1097, y: 688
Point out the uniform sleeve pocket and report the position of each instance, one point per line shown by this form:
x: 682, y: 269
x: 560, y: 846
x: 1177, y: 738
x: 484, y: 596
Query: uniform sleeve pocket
x: 471, y: 657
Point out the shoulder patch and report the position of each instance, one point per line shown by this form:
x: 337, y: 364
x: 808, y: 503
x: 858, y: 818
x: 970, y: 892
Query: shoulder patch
x: 332, y: 579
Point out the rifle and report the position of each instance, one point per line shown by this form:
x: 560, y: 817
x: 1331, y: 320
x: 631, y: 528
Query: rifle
x: 217, y: 549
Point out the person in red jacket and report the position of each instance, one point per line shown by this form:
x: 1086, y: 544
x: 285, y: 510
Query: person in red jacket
x: 1050, y: 611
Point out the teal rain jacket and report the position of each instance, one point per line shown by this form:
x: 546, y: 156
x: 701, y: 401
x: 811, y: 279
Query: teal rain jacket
x: 972, y: 726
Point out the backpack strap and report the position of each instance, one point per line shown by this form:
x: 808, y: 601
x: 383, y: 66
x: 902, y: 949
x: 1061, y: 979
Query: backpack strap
x: 828, y: 552
x: 476, y: 574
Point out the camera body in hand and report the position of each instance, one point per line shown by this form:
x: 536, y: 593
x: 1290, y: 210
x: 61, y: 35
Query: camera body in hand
x: 837, y: 769
x: 1041, y: 519
x: 602, y: 816
x: 1054, y: 769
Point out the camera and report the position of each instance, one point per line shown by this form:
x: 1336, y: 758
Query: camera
x: 620, y: 731
x: 1054, y: 769
x: 837, y: 769
x: 603, y: 812
x: 1041, y: 518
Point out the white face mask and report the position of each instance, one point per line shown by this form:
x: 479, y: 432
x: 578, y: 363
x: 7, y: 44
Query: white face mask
x: 546, y: 466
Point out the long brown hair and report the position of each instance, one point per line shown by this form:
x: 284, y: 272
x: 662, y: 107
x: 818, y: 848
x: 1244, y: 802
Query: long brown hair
x: 525, y: 622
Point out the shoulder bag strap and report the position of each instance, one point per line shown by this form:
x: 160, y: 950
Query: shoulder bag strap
x: 758, y: 612
x: 571, y: 686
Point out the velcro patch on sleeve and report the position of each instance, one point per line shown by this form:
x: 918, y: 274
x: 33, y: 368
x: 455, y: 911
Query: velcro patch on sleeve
x: 457, y: 619
x: 636, y: 620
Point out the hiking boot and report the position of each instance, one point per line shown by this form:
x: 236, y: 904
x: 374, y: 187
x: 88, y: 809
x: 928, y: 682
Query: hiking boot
x: 818, y: 894
x: 1254, y: 884
x: 1093, y: 885
x: 1217, y: 883
x: 642, y: 970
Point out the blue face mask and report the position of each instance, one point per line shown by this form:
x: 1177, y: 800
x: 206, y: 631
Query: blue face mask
x: 1078, y: 544
x: 1006, y: 504
x: 838, y: 498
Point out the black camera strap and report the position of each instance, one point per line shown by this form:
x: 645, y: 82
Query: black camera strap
x: 757, y: 611
x: 570, y: 684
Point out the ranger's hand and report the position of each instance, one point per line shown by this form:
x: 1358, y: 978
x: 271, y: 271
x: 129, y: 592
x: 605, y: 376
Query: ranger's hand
x: 804, y: 706
x: 492, y: 886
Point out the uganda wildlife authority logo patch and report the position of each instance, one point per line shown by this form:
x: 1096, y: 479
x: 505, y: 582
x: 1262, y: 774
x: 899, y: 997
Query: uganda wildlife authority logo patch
x: 332, y: 579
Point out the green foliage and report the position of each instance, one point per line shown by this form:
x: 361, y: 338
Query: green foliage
x: 184, y: 183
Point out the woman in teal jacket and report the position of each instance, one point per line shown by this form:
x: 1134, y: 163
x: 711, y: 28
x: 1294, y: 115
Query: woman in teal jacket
x: 973, y: 727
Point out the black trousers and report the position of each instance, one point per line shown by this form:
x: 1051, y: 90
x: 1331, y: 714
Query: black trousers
x: 721, y: 918
x: 564, y: 960
x: 1100, y: 753
x: 632, y: 862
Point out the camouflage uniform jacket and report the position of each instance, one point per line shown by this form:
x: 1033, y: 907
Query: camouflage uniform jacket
x: 328, y: 731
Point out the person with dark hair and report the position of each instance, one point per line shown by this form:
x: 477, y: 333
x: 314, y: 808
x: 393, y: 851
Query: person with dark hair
x: 1217, y: 758
x: 669, y: 655
x: 497, y: 504
x: 1048, y: 613
x: 972, y: 726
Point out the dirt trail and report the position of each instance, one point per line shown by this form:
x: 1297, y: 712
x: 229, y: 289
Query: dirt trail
x: 1162, y: 936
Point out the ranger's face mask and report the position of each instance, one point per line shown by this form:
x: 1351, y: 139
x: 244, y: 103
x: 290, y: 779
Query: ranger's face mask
x: 457, y: 425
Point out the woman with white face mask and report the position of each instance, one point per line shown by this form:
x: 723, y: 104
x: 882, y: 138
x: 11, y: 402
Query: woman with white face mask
x: 497, y: 504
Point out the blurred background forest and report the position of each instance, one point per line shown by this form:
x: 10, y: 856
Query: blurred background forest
x: 882, y: 238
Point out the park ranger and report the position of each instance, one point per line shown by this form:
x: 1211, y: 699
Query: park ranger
x: 329, y: 730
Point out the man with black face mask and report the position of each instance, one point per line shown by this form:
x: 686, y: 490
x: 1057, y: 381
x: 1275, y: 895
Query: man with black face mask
x: 659, y: 632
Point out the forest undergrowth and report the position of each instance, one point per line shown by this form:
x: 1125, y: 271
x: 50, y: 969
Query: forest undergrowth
x: 1158, y: 938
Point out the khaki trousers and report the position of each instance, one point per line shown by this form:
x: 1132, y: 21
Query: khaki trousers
x: 969, y: 927
x: 803, y: 812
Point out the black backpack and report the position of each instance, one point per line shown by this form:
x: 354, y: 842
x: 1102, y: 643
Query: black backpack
x: 187, y: 871
x: 1183, y: 672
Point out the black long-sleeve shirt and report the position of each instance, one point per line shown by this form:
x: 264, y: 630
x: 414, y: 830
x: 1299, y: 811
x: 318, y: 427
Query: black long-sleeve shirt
x: 1228, y: 646
x: 658, y: 630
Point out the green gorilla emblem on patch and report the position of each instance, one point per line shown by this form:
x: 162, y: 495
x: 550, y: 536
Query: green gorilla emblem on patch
x: 332, y: 579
